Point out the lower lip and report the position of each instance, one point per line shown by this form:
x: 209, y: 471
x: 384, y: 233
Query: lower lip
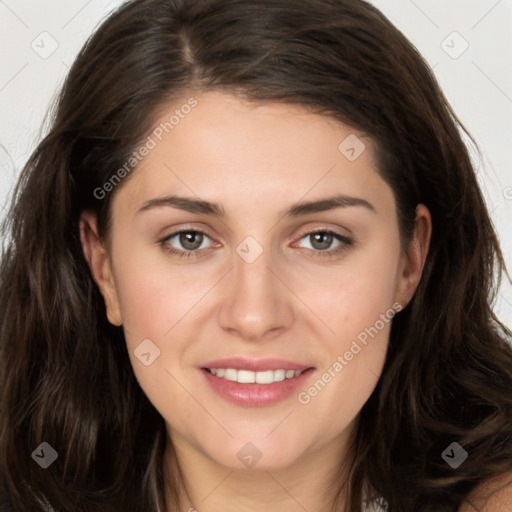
x: 255, y: 395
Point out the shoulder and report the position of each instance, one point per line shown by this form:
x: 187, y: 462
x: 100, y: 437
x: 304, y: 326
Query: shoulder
x: 494, y: 495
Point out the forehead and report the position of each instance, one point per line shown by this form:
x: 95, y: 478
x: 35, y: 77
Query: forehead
x: 227, y: 148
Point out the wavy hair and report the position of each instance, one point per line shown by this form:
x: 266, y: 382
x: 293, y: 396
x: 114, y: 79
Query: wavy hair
x: 65, y: 374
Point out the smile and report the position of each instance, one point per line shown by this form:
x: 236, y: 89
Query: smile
x: 255, y: 382
x: 250, y: 377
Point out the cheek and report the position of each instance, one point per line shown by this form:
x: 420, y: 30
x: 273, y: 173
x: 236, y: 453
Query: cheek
x: 352, y: 296
x: 157, y: 305
x: 156, y: 296
x: 156, y: 302
x: 357, y: 304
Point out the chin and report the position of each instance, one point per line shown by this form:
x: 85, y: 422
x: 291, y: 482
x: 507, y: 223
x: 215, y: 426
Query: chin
x: 256, y: 455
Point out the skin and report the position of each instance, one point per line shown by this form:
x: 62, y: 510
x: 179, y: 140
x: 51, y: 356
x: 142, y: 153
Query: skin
x: 256, y: 160
x: 494, y: 495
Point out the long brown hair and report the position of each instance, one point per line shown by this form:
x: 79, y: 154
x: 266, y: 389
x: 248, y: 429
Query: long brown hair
x: 65, y: 375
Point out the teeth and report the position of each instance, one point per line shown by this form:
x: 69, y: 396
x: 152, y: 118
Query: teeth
x: 248, y: 377
x: 230, y: 374
x: 264, y: 377
x: 279, y: 375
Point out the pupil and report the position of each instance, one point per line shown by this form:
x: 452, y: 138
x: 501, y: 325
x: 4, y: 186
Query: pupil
x: 189, y: 238
x: 327, y: 241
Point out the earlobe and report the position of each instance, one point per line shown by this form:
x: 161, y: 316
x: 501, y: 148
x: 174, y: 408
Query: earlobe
x: 99, y: 264
x: 414, y: 257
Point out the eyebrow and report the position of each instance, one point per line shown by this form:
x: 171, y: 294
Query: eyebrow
x: 216, y: 210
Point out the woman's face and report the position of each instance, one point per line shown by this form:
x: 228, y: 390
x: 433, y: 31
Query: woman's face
x: 252, y: 292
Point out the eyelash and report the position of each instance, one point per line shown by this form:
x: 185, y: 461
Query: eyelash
x: 346, y: 243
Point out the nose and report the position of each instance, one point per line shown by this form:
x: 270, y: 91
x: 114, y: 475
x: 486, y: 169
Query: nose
x: 257, y: 304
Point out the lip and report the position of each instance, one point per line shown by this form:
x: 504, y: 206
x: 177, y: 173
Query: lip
x: 255, y: 365
x: 255, y: 395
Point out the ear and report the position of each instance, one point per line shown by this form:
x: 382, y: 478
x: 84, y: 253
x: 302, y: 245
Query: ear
x: 99, y: 264
x: 414, y: 257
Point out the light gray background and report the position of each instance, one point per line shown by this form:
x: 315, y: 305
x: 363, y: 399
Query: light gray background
x: 39, y: 40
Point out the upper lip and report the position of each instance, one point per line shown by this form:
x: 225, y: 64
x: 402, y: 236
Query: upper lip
x: 255, y: 365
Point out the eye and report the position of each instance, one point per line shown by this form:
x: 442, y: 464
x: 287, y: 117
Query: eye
x: 192, y: 240
x: 321, y: 241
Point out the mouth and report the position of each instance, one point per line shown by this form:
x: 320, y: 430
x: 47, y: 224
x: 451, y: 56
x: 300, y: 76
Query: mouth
x: 250, y: 377
x: 255, y: 383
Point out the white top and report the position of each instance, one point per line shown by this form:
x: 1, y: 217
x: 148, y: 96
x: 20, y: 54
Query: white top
x: 373, y: 507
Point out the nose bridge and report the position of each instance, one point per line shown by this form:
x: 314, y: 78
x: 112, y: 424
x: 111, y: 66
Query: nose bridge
x: 257, y: 301
x: 253, y: 279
